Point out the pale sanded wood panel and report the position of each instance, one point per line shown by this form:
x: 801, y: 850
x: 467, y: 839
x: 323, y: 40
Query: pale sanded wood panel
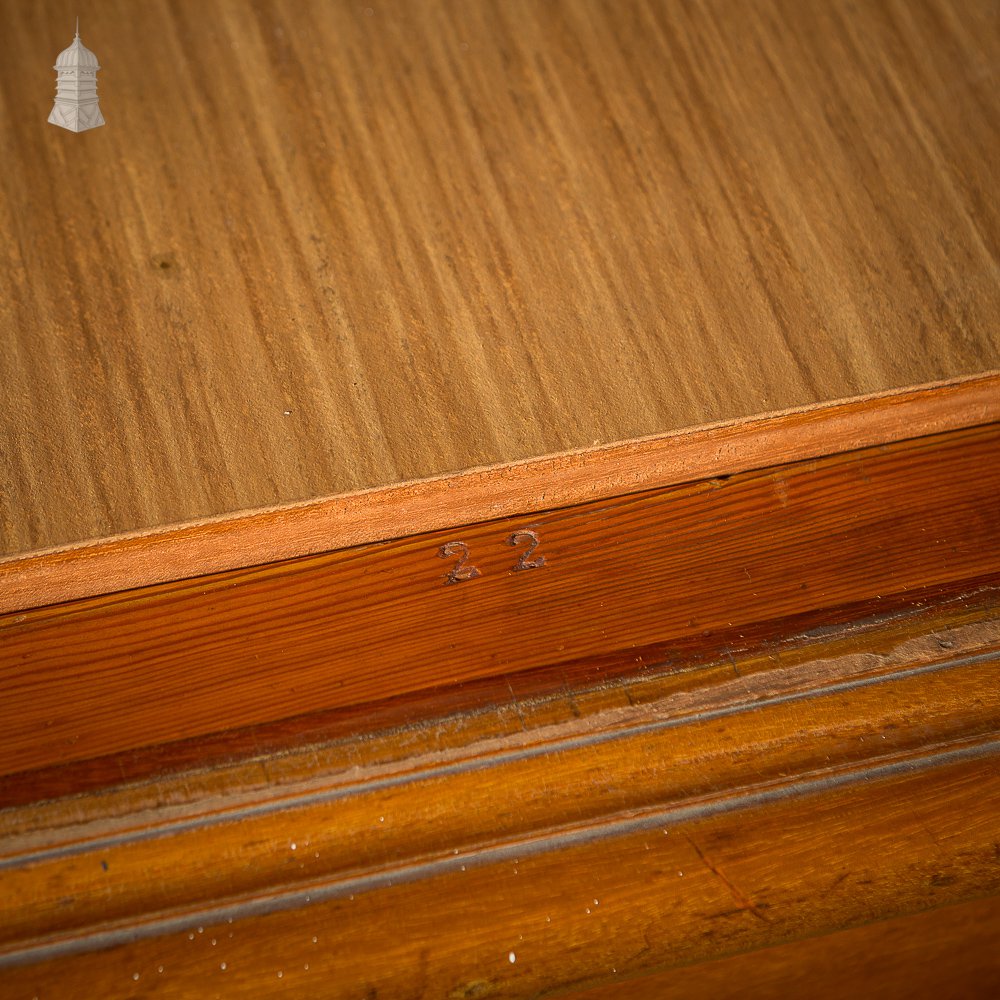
x: 322, y: 246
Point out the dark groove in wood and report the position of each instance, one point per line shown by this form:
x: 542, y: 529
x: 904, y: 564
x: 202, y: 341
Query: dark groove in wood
x: 547, y: 749
x: 482, y: 695
x: 278, y: 902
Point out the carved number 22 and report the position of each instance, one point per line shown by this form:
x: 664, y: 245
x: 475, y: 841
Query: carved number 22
x: 464, y: 570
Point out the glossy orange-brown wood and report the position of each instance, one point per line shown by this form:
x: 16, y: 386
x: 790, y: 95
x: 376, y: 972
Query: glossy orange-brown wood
x: 185, y: 659
x: 504, y: 694
x: 593, y: 835
x: 686, y: 888
x: 862, y: 713
x: 948, y: 952
x: 878, y: 639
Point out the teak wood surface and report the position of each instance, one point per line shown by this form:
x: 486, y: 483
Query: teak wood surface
x: 323, y: 247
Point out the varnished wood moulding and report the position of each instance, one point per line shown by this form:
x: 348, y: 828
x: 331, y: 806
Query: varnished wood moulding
x: 456, y: 724
x: 522, y: 488
x: 681, y: 754
x: 189, y: 658
x: 789, y: 802
x: 525, y: 923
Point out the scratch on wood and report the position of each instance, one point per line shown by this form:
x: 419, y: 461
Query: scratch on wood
x: 744, y: 901
x: 517, y: 706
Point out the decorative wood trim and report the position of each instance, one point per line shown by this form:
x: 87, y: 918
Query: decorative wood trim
x: 258, y: 537
x: 659, y: 821
x: 502, y: 698
x: 902, y: 634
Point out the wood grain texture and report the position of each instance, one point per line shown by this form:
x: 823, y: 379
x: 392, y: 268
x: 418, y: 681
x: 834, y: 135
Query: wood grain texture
x: 184, y: 659
x: 700, y: 747
x: 932, y: 632
x: 253, y: 538
x: 324, y: 247
x: 949, y: 952
x: 896, y: 629
x: 795, y: 866
x: 653, y: 823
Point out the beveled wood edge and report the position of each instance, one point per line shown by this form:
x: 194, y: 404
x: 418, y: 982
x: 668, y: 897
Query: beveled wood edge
x: 256, y: 537
x: 634, y: 575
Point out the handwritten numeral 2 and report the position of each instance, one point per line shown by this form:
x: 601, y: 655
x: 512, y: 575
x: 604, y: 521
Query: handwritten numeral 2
x: 524, y: 562
x: 462, y: 570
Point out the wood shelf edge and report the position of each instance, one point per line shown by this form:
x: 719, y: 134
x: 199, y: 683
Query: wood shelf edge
x: 257, y: 537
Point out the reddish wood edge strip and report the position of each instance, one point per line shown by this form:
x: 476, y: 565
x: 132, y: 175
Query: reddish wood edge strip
x: 250, y: 538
